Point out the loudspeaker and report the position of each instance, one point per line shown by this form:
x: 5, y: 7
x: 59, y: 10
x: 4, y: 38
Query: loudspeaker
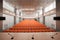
x: 56, y: 18
x: 2, y: 18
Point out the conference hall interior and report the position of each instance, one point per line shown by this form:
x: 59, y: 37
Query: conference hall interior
x: 29, y: 16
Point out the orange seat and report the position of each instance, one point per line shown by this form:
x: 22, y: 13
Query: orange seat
x: 29, y: 26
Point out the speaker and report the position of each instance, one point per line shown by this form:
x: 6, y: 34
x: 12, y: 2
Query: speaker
x: 2, y: 18
x: 56, y: 18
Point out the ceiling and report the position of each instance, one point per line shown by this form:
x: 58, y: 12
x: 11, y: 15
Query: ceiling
x: 35, y: 4
x: 29, y: 3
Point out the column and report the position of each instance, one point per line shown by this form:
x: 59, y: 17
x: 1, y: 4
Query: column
x: 38, y: 17
x: 1, y: 14
x: 15, y: 15
x: 43, y: 15
x: 58, y: 14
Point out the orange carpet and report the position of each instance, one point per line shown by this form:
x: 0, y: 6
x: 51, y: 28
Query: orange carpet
x: 29, y: 26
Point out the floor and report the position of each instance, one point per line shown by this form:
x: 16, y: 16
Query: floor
x: 28, y: 36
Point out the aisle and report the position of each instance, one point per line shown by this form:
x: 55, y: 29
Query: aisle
x: 29, y: 26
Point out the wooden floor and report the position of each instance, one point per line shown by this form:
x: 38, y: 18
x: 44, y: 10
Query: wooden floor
x: 29, y: 26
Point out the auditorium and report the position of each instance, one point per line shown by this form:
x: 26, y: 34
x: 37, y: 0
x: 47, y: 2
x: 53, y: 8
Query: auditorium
x: 29, y: 16
x: 29, y: 20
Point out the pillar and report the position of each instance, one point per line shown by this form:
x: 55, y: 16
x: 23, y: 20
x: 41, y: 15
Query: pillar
x: 1, y: 14
x: 58, y: 14
x: 43, y: 15
x: 15, y: 15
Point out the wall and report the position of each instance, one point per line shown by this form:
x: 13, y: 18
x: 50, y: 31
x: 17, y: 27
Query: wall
x: 50, y: 22
x: 17, y: 20
x: 41, y: 20
x: 8, y: 12
x: 29, y: 15
x: 50, y: 13
x: 8, y: 6
x: 9, y: 22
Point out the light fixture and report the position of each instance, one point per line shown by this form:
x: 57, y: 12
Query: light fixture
x: 11, y: 36
x: 33, y: 37
x: 53, y: 36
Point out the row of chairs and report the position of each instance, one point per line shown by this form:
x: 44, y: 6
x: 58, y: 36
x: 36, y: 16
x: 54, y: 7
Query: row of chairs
x: 29, y: 28
x: 29, y: 31
x: 26, y: 26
